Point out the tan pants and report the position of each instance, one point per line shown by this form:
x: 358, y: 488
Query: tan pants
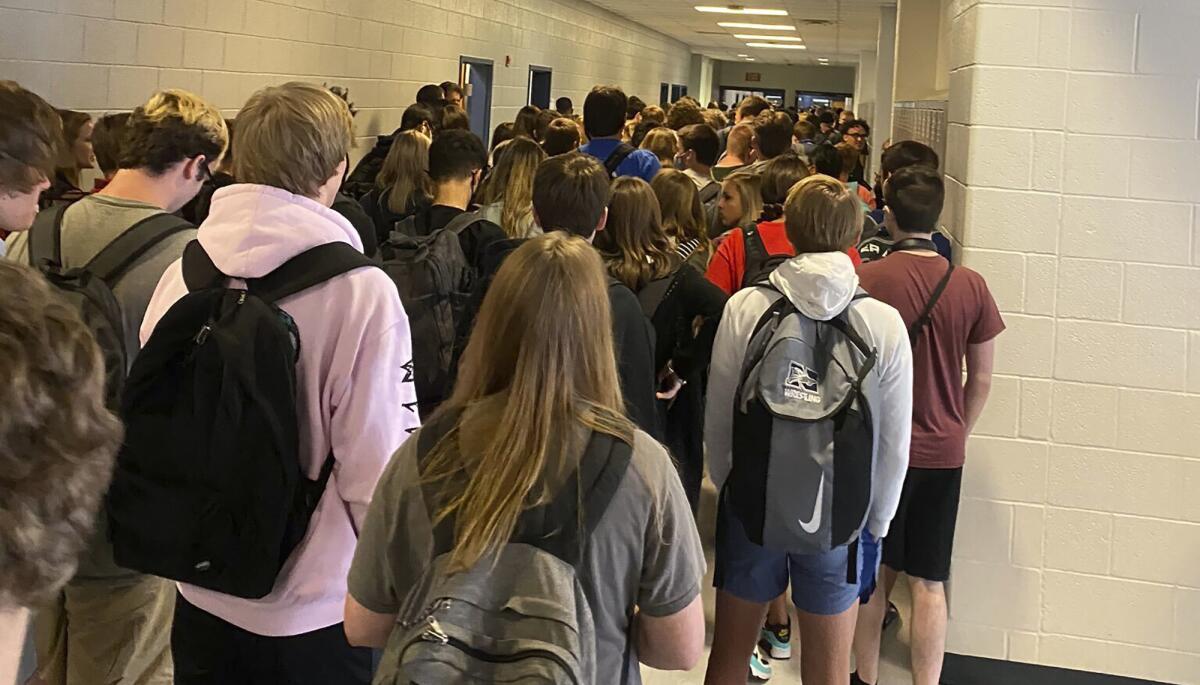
x: 107, y: 632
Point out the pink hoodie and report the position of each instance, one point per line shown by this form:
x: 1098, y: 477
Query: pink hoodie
x: 355, y: 394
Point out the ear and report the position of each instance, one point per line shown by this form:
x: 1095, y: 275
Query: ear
x: 603, y: 220
x: 191, y: 168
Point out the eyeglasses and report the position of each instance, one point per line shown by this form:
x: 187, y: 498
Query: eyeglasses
x: 860, y: 136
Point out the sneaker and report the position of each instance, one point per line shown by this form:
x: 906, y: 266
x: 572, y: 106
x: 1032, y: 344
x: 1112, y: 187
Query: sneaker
x: 892, y: 615
x: 855, y: 680
x: 776, y: 641
x: 760, y: 668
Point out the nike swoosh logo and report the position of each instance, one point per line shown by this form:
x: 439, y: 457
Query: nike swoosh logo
x: 814, y: 521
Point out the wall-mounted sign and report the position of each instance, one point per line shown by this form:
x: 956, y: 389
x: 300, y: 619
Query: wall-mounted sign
x: 753, y: 76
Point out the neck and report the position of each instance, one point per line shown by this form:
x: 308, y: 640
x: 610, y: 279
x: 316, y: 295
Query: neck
x: 731, y: 159
x: 12, y: 638
x: 615, y: 136
x: 455, y: 193
x: 138, y: 185
x: 700, y: 169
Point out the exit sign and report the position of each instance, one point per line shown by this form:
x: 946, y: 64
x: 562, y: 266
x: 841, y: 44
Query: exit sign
x: 753, y: 76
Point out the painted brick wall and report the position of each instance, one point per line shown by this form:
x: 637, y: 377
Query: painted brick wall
x: 1074, y: 166
x: 106, y: 55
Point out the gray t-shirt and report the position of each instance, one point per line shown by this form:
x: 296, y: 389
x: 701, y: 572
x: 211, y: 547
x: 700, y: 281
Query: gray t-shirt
x: 645, y: 552
x: 88, y: 227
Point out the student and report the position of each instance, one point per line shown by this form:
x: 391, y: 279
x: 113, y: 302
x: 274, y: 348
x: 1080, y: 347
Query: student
x: 903, y: 154
x: 523, y: 418
x: 634, y: 107
x: 699, y: 146
x: 849, y: 157
x: 417, y: 117
x: 684, y: 308
x: 75, y: 155
x: 738, y: 152
x: 804, y: 136
x: 734, y: 265
x: 745, y: 113
x: 526, y: 122
x: 108, y: 138
x: 820, y: 284
x: 602, y: 120
x: 453, y: 94
x: 403, y: 186
x: 653, y: 114
x: 564, y: 107
x: 827, y: 132
x: 543, y: 124
x: 58, y: 440
x: 172, y: 141
x: 196, y: 211
x: 715, y: 119
x: 562, y: 136
x: 292, y: 145
x: 772, y: 137
x: 432, y: 96
x: 571, y: 193
x: 741, y: 201
x: 684, y: 113
x: 454, y: 119
x: 30, y: 138
x: 506, y: 197
x: 663, y: 143
x: 683, y: 217
x: 856, y: 132
x: 960, y: 324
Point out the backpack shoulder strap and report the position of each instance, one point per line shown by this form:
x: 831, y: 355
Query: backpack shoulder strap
x: 45, y: 236
x: 652, y: 294
x: 307, y: 269
x: 709, y: 192
x: 462, y: 222
x: 619, y: 155
x: 199, y: 271
x: 755, y: 248
x: 601, y: 470
x: 914, y: 331
x: 116, y: 258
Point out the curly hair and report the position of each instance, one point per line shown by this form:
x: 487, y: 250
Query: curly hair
x: 57, y: 439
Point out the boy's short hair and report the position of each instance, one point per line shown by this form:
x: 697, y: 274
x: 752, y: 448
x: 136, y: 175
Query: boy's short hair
x: 455, y: 155
x: 654, y: 114
x: 907, y: 153
x: 417, y: 114
x: 432, y: 95
x: 774, y: 133
x: 292, y: 137
x: 108, y: 139
x: 57, y: 439
x: 604, y: 111
x: 703, y: 140
x: 849, y: 155
x: 30, y: 138
x: 821, y: 215
x: 570, y: 193
x: 915, y: 195
x: 175, y: 125
x: 455, y: 118
x: 827, y: 160
x: 564, y: 105
x: 562, y: 136
x: 634, y: 107
x: 739, y: 140
x: 804, y: 130
x: 685, y: 112
x: 827, y: 117
x: 449, y: 87
x: 779, y: 175
x: 752, y: 107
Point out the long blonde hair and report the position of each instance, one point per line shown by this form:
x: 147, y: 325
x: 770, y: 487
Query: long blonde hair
x: 511, y: 182
x: 663, y: 142
x: 633, y: 244
x: 405, y: 171
x: 682, y: 213
x: 747, y: 186
x: 555, y: 372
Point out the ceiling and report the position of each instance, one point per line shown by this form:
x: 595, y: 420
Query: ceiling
x: 836, y: 30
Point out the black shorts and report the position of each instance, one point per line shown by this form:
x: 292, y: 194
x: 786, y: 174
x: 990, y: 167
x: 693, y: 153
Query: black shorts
x: 921, y: 539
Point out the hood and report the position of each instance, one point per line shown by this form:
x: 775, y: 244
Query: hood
x: 820, y: 284
x: 252, y: 230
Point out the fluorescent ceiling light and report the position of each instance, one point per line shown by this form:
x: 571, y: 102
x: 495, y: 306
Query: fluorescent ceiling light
x: 749, y: 59
x: 822, y: 59
x: 782, y: 46
x: 756, y: 27
x: 738, y: 9
x: 781, y: 39
x: 742, y: 55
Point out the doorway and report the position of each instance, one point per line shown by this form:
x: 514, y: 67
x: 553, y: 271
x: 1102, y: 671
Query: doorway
x: 475, y: 74
x: 539, y: 86
x: 664, y: 94
x: 732, y: 95
x: 678, y: 90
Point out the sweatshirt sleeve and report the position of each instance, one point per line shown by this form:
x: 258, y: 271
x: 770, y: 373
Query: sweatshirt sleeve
x: 728, y: 349
x: 374, y: 414
x: 895, y: 426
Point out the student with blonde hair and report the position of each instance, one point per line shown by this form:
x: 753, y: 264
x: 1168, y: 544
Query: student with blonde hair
x: 353, y: 405
x: 799, y: 359
x: 403, y: 186
x: 530, y: 485
x: 112, y: 623
x: 741, y: 201
x: 506, y: 198
x: 684, y: 308
x: 738, y: 152
x: 664, y: 143
x: 683, y: 216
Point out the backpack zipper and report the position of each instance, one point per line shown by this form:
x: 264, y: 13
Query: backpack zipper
x: 202, y: 336
x: 433, y: 633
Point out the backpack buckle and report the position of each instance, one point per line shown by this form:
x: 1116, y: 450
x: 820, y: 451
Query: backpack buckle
x: 202, y: 336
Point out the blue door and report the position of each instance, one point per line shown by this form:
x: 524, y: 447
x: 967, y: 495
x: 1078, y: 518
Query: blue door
x: 476, y: 77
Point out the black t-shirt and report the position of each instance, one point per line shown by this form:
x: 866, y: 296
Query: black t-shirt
x: 633, y: 339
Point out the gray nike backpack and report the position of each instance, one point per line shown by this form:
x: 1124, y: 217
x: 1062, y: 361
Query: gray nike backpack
x: 523, y: 615
x: 802, y: 433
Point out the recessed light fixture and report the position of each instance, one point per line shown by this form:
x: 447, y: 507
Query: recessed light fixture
x: 738, y: 9
x: 781, y: 46
x: 749, y: 59
x: 823, y: 60
x: 781, y: 39
x: 756, y: 27
x: 743, y: 55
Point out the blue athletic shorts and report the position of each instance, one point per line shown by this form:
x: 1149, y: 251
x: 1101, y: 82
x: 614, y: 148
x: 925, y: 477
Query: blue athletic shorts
x: 758, y: 574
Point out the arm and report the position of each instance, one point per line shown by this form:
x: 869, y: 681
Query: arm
x: 634, y: 341
x: 728, y: 349
x: 703, y: 304
x: 979, y: 380
x: 671, y: 643
x: 365, y: 628
x: 895, y: 426
x: 720, y: 268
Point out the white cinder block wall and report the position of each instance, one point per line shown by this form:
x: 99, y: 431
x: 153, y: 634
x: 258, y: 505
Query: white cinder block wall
x: 108, y: 55
x: 1074, y: 180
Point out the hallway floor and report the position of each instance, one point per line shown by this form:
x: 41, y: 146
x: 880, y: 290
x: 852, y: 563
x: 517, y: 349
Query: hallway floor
x: 893, y: 668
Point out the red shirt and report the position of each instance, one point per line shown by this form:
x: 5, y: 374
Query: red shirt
x: 965, y: 315
x: 728, y: 265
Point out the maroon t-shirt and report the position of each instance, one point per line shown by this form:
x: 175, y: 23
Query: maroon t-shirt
x: 965, y: 315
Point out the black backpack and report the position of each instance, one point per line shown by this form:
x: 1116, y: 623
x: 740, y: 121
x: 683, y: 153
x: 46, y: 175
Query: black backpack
x: 89, y: 288
x: 619, y: 155
x: 759, y: 263
x: 435, y: 282
x: 208, y: 488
